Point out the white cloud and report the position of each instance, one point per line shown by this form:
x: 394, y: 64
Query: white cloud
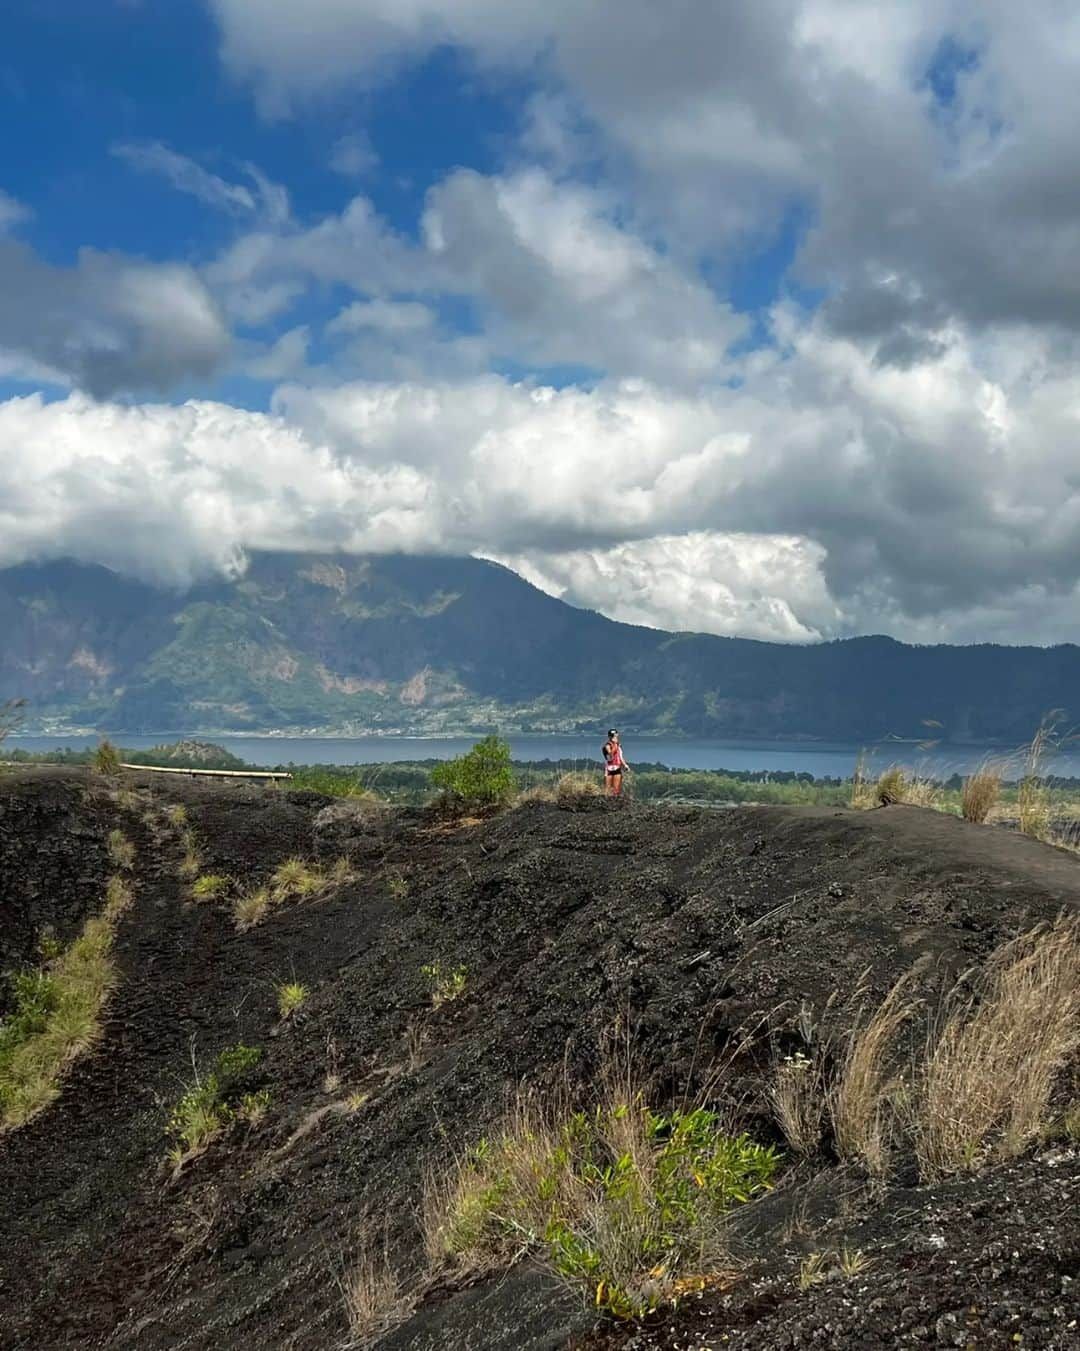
x: 184, y: 174
x: 175, y: 493
x: 12, y: 213
x: 769, y: 587
x: 563, y: 282
x: 353, y: 155
x: 383, y: 316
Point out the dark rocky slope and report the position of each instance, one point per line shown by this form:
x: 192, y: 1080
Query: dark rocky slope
x: 699, y: 926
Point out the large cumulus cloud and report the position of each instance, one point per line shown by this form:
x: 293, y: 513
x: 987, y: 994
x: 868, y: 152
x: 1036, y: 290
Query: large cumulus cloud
x: 628, y: 496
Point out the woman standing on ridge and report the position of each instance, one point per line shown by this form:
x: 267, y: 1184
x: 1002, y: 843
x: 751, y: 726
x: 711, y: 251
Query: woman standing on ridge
x: 614, y: 764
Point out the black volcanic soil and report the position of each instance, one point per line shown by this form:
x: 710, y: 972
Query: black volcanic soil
x: 705, y: 931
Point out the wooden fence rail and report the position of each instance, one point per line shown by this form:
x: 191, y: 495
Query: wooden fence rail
x: 215, y: 773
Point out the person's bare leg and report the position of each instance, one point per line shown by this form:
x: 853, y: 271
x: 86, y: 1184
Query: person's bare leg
x: 616, y: 785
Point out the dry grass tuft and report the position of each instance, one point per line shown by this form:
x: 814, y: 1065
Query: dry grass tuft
x: 341, y: 872
x: 863, y: 795
x: 859, y: 1099
x: 118, y: 898
x: 572, y: 787
x: 798, y: 1099
x: 121, y: 850
x: 981, y: 793
x: 375, y: 1297
x: 989, y: 1077
x: 191, y: 864
x: 250, y: 909
x: 896, y: 785
x: 891, y: 786
x: 296, y: 878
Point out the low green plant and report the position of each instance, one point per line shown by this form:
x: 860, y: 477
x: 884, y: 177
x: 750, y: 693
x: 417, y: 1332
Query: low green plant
x: 177, y: 815
x: 447, y: 983
x: 483, y: 775
x: 107, y: 759
x: 121, y: 850
x: 397, y: 886
x: 290, y: 998
x: 812, y: 1270
x: 625, y: 1201
x: 852, y: 1262
x: 209, y: 1104
x: 191, y: 864
x: 209, y: 886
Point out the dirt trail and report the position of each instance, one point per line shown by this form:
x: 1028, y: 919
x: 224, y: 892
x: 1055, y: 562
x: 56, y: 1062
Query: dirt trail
x: 699, y: 927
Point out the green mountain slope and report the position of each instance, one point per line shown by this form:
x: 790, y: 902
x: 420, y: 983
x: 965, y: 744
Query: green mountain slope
x: 440, y: 645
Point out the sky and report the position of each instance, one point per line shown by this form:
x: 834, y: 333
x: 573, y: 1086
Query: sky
x: 759, y: 319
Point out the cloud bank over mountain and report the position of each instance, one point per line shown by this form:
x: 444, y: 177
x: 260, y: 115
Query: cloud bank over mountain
x: 755, y: 319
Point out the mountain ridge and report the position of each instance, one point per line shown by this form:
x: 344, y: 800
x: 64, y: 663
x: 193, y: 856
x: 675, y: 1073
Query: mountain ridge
x: 343, y: 645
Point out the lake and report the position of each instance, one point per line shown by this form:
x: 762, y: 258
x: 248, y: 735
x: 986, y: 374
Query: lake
x: 818, y: 758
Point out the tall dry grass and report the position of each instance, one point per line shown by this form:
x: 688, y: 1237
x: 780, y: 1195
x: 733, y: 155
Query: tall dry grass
x: 990, y: 1072
x: 859, y: 1098
x: 797, y: 1094
x: 898, y: 785
x: 1033, y: 796
x: 981, y: 793
x: 376, y: 1299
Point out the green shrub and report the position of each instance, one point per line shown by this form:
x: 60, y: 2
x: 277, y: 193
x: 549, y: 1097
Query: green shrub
x: 205, y: 1108
x: 623, y: 1200
x: 483, y: 775
x: 107, y: 759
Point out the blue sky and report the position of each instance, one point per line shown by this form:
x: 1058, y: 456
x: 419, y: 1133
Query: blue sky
x: 759, y: 319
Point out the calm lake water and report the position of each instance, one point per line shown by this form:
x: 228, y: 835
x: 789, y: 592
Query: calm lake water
x: 817, y: 758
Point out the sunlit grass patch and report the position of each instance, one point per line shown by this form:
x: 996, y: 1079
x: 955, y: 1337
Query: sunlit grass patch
x: 57, y: 1014
x: 209, y: 886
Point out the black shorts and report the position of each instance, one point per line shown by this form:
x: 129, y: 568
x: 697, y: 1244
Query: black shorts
x: 617, y: 770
